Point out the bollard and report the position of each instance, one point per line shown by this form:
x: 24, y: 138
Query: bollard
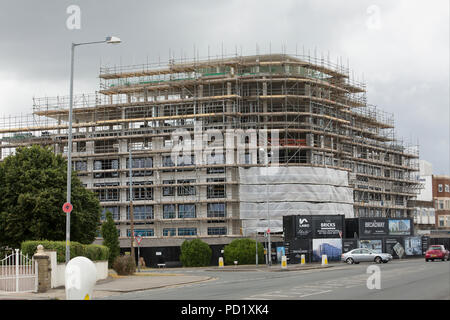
x: 220, y: 262
x: 302, y: 259
x: 80, y: 278
x: 283, y: 262
x: 324, y: 260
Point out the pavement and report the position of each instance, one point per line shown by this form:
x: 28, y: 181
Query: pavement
x: 152, y: 278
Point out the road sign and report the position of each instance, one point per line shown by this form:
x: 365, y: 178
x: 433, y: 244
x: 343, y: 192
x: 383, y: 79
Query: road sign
x: 138, y: 239
x: 67, y: 207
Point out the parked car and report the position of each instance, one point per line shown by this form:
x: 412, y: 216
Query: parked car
x: 436, y: 251
x: 365, y: 255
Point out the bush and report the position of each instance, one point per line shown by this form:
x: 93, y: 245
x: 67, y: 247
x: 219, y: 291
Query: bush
x: 243, y: 251
x: 124, y: 265
x: 110, y: 236
x: 195, y: 253
x: 93, y: 252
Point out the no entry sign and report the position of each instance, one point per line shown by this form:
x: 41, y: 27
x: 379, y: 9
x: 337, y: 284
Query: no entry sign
x: 67, y: 207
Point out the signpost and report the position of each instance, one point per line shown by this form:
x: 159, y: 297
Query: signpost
x: 67, y: 207
x: 138, y: 241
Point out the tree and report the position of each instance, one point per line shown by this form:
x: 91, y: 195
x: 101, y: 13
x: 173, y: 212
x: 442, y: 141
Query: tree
x: 32, y: 191
x: 111, y: 237
x: 195, y: 253
x: 243, y: 251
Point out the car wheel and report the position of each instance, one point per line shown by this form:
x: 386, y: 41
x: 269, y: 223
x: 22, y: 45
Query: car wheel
x: 378, y: 260
x: 426, y: 260
x: 350, y: 261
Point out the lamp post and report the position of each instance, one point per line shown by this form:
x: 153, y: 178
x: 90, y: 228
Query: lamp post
x: 109, y: 40
x: 269, y: 247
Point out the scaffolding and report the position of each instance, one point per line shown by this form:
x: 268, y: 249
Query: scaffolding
x: 313, y: 110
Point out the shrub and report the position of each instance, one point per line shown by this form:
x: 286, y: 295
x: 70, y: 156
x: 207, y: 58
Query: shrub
x: 195, y: 253
x: 124, y: 265
x: 110, y: 236
x: 243, y: 251
x: 93, y: 252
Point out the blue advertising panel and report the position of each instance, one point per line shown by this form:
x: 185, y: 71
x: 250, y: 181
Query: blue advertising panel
x: 399, y: 227
x: 330, y: 247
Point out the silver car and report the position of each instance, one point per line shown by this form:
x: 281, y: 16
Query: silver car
x: 365, y: 255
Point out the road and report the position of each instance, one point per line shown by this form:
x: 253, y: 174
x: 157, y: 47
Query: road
x: 399, y: 280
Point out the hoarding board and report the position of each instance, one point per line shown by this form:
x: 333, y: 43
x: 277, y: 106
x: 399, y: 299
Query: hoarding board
x: 327, y: 226
x: 375, y: 245
x: 330, y: 247
x: 303, y: 226
x: 394, y: 246
x: 349, y: 244
x: 399, y: 227
x: 373, y: 227
x: 295, y: 248
x: 425, y: 244
x: 413, y: 246
x: 281, y: 251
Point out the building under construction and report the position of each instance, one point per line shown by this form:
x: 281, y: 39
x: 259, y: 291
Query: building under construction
x: 236, y: 110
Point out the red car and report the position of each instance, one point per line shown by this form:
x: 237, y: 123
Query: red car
x: 436, y: 252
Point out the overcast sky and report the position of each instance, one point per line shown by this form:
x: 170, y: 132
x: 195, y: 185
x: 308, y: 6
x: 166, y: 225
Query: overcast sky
x: 400, y: 48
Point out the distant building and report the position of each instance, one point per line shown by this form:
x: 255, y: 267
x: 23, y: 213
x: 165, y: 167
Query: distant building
x: 441, y: 198
x: 424, y: 215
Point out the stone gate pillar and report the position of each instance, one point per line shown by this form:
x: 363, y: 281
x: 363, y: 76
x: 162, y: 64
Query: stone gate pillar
x: 44, y: 269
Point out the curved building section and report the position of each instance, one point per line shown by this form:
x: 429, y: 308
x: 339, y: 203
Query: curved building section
x: 268, y: 194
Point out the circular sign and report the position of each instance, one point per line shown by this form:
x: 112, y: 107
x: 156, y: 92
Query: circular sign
x: 67, y: 207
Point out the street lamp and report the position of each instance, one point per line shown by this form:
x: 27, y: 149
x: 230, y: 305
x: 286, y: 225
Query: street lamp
x: 109, y: 40
x: 269, y: 249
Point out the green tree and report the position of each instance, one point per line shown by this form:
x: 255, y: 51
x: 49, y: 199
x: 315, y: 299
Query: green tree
x: 195, y: 253
x: 243, y: 251
x: 110, y: 236
x: 32, y: 191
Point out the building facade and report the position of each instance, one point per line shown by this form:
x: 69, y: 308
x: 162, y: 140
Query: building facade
x: 180, y: 133
x: 441, y: 197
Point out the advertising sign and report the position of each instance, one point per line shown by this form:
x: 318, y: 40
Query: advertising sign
x: 280, y: 252
x: 349, y: 244
x: 413, y: 246
x: 330, y: 247
x: 394, y: 246
x: 327, y: 226
x: 373, y: 227
x: 294, y: 250
x: 399, y: 227
x: 375, y: 245
x: 303, y: 226
x: 425, y: 244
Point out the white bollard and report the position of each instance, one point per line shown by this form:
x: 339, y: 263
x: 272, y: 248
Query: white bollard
x: 302, y: 259
x: 80, y: 279
x: 324, y: 260
x: 220, y: 262
x: 283, y: 262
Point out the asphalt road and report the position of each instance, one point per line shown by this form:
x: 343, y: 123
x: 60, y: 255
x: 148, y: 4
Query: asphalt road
x: 399, y: 280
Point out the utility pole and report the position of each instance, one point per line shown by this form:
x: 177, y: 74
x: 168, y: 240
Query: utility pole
x: 130, y: 166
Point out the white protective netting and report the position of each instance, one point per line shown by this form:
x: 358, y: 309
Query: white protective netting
x: 281, y: 191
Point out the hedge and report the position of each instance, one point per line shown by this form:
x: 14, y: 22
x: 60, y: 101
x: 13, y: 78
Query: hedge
x: 93, y: 252
x: 243, y: 251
